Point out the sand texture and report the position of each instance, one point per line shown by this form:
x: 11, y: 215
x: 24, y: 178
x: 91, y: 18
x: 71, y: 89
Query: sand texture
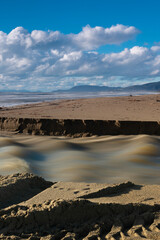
x: 135, y: 108
x: 81, y: 211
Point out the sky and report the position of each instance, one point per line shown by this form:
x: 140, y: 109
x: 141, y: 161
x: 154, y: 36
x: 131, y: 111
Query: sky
x: 57, y: 44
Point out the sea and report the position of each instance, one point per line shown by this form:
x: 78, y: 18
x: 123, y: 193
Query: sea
x: 8, y: 99
x: 103, y: 159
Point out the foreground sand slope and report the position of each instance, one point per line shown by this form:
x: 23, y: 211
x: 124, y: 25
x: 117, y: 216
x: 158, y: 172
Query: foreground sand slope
x: 135, y: 108
x: 83, y: 211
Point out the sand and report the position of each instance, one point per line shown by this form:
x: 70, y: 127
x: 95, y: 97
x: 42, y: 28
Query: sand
x: 79, y: 210
x: 32, y: 208
x: 85, y: 117
x: 135, y: 108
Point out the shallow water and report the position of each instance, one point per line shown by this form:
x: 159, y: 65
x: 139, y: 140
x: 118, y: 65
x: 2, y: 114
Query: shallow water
x: 8, y: 99
x: 107, y: 159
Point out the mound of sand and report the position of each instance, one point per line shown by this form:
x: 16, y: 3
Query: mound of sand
x: 80, y: 211
x: 20, y: 187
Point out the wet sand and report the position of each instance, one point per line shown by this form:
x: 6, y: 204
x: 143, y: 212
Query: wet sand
x: 135, y: 108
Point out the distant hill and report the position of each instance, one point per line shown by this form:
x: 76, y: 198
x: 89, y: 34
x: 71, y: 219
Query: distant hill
x: 155, y: 86
x: 150, y: 87
x: 90, y: 88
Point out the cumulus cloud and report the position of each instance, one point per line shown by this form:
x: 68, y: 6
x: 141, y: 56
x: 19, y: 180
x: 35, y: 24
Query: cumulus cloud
x: 47, y: 60
x: 88, y: 39
x: 91, y: 38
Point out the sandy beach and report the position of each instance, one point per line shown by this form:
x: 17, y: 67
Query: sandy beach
x: 134, y: 108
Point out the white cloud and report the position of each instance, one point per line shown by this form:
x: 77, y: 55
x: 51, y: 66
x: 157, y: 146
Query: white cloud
x: 91, y: 38
x: 88, y: 39
x: 155, y: 48
x: 52, y: 59
x: 139, y: 51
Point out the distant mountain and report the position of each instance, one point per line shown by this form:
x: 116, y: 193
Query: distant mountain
x: 90, y: 88
x: 155, y: 86
x: 150, y: 87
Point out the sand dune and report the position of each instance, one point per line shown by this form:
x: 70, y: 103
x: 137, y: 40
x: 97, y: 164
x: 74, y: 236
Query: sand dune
x: 82, y: 211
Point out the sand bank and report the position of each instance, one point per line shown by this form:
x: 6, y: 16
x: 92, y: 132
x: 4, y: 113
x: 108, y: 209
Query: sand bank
x: 78, y: 128
x: 83, y: 211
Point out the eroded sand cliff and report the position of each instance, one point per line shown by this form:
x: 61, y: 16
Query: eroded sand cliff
x: 77, y: 128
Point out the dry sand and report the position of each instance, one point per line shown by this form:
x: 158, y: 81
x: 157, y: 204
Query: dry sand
x: 135, y: 108
x: 79, y: 210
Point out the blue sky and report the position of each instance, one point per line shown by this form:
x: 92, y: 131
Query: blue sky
x: 55, y: 44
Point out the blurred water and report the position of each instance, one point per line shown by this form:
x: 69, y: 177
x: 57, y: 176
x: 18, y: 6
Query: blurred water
x: 13, y: 99
x: 107, y: 159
